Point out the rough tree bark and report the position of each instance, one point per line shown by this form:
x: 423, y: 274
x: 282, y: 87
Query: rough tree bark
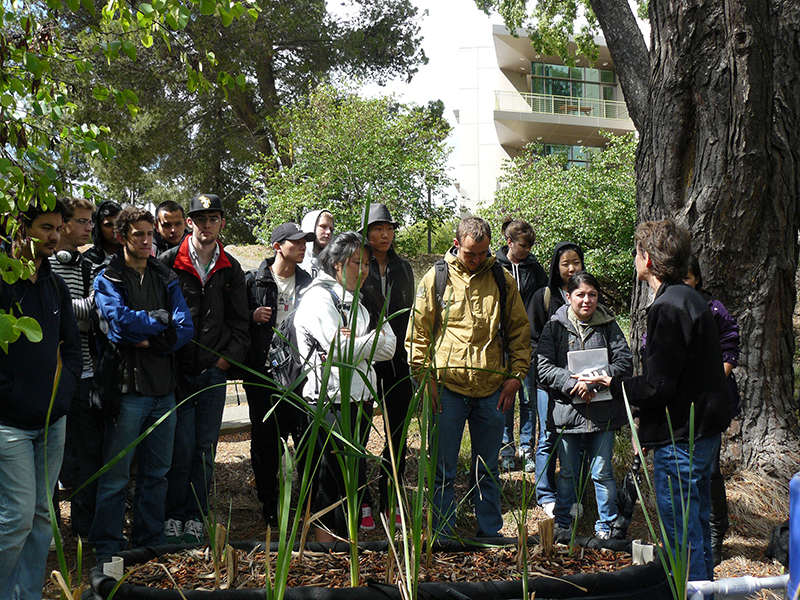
x: 719, y: 152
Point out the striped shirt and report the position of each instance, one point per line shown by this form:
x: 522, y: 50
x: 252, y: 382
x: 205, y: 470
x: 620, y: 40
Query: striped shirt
x: 82, y: 306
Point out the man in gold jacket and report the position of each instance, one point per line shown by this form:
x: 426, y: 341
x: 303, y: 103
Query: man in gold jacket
x: 455, y: 346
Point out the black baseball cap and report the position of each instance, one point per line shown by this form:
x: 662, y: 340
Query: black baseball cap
x: 290, y: 231
x: 206, y: 202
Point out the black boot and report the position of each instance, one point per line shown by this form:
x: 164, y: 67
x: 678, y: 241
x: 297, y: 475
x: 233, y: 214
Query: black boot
x: 719, y: 517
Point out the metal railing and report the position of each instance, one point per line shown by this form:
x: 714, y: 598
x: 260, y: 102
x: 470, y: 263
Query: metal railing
x: 560, y: 105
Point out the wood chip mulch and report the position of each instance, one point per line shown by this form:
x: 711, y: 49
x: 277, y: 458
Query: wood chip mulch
x: 194, y: 569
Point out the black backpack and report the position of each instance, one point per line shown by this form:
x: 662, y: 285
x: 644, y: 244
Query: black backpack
x: 440, y: 282
x: 284, y: 363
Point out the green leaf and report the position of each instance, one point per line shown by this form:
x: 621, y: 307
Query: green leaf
x: 6, y: 100
x: 89, y: 6
x: 240, y: 80
x: 159, y: 4
x: 253, y: 13
x: 129, y: 48
x: 73, y: 5
x: 30, y: 328
x: 147, y: 40
x: 207, y: 7
x: 131, y: 96
x: 18, y: 87
x: 146, y: 9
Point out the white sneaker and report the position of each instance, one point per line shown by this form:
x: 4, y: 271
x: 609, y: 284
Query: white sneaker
x: 549, y: 509
x: 602, y: 535
x: 576, y: 512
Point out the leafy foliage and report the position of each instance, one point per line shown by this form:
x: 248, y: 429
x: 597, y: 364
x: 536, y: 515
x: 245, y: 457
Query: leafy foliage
x: 179, y: 145
x: 40, y: 131
x: 594, y: 207
x: 413, y: 240
x: 343, y: 150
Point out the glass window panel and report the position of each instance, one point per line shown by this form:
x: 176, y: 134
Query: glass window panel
x: 592, y: 74
x: 606, y: 76
x: 557, y: 71
x: 576, y: 73
x: 537, y: 68
x: 559, y: 87
x: 608, y: 92
x: 537, y: 85
x: 591, y: 90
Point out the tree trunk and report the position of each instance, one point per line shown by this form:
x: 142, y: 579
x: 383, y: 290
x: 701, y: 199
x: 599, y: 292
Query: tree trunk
x: 719, y: 152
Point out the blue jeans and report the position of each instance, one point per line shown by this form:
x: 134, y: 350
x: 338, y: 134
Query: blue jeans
x: 137, y: 414
x: 690, y: 478
x: 25, y: 530
x: 486, y: 430
x: 527, y: 418
x: 545, y: 453
x: 196, y: 434
x: 599, y: 448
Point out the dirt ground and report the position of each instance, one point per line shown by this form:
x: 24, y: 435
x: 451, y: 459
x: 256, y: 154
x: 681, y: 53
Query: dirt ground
x: 756, y: 505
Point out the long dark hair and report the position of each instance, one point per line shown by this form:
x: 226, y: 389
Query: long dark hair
x: 581, y: 277
x: 338, y: 252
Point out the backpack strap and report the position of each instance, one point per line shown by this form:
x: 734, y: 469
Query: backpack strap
x: 500, y: 280
x: 440, y: 276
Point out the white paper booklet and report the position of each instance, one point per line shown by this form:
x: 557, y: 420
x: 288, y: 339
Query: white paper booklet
x: 589, y: 362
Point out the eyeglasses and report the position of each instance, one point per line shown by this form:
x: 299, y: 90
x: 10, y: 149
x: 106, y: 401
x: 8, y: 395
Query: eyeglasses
x: 202, y: 219
x: 83, y: 222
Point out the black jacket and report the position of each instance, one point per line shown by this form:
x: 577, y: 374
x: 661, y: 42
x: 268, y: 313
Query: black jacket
x: 27, y: 369
x: 529, y: 274
x: 263, y: 291
x: 218, y: 308
x: 400, y: 282
x: 682, y: 365
x: 559, y: 337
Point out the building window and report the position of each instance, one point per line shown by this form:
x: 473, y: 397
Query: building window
x: 572, y: 82
x: 575, y: 156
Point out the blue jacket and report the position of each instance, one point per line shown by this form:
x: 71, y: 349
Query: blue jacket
x: 127, y: 326
x: 28, y: 370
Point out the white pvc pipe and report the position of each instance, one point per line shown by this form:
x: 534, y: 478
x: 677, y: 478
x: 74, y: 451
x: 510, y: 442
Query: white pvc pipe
x: 697, y: 590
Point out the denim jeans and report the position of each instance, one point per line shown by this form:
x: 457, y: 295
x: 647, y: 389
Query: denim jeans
x: 486, y: 431
x: 545, y: 453
x: 689, y: 475
x: 137, y: 414
x: 527, y: 418
x: 25, y: 530
x: 599, y: 448
x: 197, y: 428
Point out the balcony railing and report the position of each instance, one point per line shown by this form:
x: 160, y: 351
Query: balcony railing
x: 560, y: 105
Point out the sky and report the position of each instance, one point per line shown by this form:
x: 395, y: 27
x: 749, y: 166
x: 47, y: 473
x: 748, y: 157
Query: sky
x: 449, y: 25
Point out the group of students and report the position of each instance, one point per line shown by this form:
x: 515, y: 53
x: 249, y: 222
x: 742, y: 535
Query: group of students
x: 340, y: 291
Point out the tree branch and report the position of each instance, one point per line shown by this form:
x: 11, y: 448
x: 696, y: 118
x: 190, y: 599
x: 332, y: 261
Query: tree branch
x: 629, y: 51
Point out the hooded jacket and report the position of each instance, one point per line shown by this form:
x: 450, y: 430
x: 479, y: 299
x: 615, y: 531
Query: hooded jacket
x: 263, y: 291
x: 310, y: 262
x: 218, y: 308
x: 529, y: 274
x: 127, y: 326
x: 538, y: 313
x: 400, y: 282
x: 28, y: 369
x: 318, y: 319
x: 682, y: 366
x: 471, y: 343
x: 95, y: 254
x: 563, y: 334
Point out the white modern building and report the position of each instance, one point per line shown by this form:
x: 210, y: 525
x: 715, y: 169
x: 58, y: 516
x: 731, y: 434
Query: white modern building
x: 511, y: 95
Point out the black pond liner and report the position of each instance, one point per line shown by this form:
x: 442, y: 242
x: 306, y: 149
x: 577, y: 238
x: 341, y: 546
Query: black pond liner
x: 642, y: 582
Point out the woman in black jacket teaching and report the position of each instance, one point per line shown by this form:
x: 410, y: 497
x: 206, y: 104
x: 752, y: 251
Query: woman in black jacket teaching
x: 682, y: 372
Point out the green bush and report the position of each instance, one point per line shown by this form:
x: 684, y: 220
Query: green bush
x: 594, y: 207
x: 413, y: 240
